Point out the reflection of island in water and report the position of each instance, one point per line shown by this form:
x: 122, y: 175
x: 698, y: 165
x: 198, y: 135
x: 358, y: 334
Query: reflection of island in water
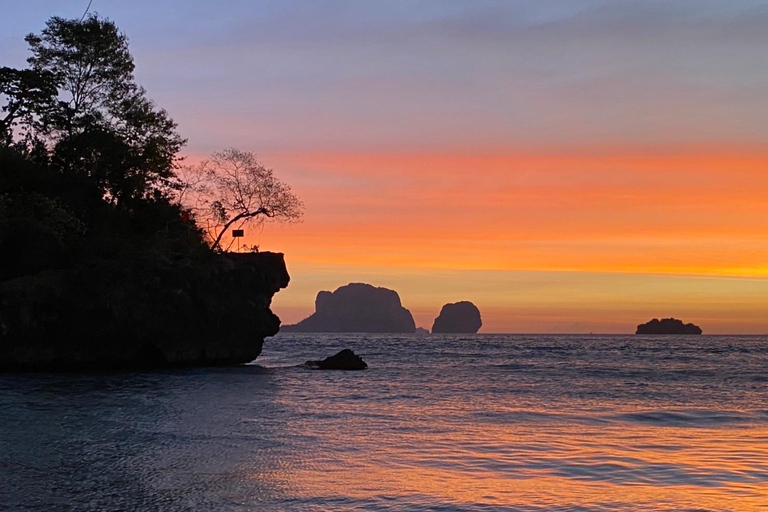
x: 667, y: 326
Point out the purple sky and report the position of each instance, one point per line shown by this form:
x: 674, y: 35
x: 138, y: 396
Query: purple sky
x: 344, y: 75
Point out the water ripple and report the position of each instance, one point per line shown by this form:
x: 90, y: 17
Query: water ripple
x: 443, y: 423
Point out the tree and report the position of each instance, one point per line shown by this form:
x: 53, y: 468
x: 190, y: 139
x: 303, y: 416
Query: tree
x: 233, y: 188
x: 29, y: 95
x: 104, y: 125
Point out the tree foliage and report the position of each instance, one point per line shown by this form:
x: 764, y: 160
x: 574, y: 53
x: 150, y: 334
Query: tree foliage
x: 103, y: 125
x: 232, y: 189
x: 30, y: 96
x: 87, y: 161
x: 89, y: 164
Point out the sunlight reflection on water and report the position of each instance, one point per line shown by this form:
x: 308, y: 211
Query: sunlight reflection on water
x: 485, y: 422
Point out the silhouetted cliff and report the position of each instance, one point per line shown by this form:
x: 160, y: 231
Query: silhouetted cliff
x: 667, y: 326
x: 141, y: 312
x: 357, y: 307
x: 459, y: 317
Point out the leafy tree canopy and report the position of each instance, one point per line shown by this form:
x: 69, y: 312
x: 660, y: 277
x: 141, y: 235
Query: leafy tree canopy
x: 101, y: 123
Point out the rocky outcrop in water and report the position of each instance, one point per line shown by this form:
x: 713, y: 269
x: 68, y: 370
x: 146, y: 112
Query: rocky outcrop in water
x: 344, y: 360
x: 459, y: 317
x: 142, y: 312
x: 667, y: 326
x: 357, y: 307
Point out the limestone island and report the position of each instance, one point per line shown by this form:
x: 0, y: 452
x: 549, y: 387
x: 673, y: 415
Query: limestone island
x: 460, y: 318
x: 667, y: 326
x: 357, y: 307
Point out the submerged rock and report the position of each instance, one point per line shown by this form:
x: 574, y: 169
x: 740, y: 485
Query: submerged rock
x: 667, y: 326
x: 357, y: 307
x: 459, y: 317
x: 344, y: 360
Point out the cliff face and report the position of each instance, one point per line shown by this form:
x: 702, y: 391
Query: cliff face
x: 141, y: 313
x: 459, y: 317
x: 667, y: 326
x: 357, y: 307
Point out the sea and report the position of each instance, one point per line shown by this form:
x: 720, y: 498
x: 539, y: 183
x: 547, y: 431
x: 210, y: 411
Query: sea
x: 437, y: 423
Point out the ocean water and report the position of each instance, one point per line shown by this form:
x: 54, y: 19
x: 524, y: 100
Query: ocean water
x: 438, y: 423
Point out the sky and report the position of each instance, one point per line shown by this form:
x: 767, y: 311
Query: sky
x: 569, y: 166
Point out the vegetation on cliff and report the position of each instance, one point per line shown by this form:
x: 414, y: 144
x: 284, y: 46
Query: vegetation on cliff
x: 87, y: 161
x: 95, y: 241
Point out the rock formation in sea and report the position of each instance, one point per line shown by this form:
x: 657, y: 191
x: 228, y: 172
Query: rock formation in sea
x: 357, y: 307
x: 459, y: 317
x: 142, y: 312
x: 421, y: 331
x: 344, y: 360
x: 667, y: 326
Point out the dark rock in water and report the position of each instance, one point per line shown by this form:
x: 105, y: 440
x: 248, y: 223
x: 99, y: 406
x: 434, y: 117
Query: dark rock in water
x: 357, y: 307
x: 142, y: 312
x: 667, y: 326
x: 344, y: 360
x: 459, y: 317
x: 421, y: 331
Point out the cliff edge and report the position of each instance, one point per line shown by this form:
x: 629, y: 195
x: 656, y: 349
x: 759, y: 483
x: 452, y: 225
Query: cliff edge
x: 142, y: 312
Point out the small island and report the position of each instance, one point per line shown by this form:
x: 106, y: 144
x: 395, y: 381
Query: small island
x: 357, y: 307
x: 667, y: 326
x: 458, y: 318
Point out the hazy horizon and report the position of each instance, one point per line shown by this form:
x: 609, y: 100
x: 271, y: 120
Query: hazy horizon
x: 577, y: 166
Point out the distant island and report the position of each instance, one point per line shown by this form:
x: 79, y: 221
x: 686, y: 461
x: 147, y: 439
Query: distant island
x: 459, y: 317
x: 357, y: 307
x: 667, y: 326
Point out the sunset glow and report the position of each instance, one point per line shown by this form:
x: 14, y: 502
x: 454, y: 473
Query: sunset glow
x: 614, y: 150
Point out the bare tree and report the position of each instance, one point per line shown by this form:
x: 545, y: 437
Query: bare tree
x: 232, y: 188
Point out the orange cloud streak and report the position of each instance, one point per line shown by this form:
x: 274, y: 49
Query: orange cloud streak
x: 404, y: 220
x: 689, y: 213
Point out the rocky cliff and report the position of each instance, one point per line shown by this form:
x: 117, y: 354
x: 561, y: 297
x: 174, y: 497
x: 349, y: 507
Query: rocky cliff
x: 459, y: 317
x: 142, y: 312
x: 357, y: 307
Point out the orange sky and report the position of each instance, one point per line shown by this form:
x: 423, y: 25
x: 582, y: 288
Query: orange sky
x: 562, y: 242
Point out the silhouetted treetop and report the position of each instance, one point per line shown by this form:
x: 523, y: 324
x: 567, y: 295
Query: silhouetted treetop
x: 29, y: 95
x: 103, y: 125
x: 87, y: 161
x: 89, y: 60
